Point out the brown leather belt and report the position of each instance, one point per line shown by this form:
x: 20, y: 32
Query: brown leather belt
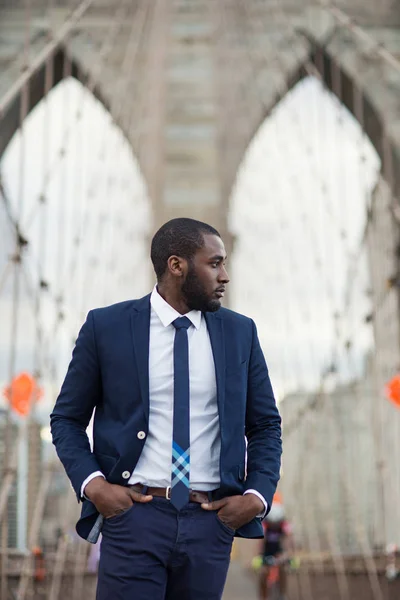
x: 194, y: 495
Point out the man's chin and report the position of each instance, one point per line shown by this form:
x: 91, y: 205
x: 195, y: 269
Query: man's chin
x: 209, y: 306
x: 203, y: 303
x: 213, y: 306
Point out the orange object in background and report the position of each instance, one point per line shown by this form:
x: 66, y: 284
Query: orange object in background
x: 277, y: 499
x: 39, y: 564
x: 392, y: 390
x: 22, y: 393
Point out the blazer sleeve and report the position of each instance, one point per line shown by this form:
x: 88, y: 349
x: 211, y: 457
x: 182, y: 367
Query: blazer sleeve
x: 263, y: 426
x: 74, y: 407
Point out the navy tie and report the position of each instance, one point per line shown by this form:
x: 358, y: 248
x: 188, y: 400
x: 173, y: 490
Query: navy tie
x: 181, y: 421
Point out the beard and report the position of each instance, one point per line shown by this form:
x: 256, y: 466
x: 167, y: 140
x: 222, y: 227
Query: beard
x: 195, y: 294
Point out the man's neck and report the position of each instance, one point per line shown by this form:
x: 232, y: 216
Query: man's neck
x: 173, y: 298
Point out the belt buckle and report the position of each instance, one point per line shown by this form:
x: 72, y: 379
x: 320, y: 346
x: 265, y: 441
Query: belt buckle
x: 168, y: 493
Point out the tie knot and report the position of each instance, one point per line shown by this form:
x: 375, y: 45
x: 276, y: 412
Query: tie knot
x: 182, y: 323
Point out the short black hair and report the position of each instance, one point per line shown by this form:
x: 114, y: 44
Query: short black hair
x: 181, y: 237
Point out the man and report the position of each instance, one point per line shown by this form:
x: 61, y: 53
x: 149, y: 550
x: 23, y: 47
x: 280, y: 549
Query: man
x: 176, y: 382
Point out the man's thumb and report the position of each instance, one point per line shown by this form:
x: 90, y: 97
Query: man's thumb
x: 136, y: 497
x: 216, y: 505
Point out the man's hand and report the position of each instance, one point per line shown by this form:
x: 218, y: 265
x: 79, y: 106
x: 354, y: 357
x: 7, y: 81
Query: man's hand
x: 111, y: 499
x: 236, y: 511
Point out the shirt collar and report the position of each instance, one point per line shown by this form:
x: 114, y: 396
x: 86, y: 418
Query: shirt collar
x: 167, y: 314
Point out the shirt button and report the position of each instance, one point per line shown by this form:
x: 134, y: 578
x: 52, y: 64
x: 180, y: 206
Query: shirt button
x: 141, y: 435
x: 126, y: 474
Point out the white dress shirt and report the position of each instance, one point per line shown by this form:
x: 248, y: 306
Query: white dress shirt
x: 154, y: 465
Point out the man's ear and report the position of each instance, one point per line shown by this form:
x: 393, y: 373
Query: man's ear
x: 177, y: 266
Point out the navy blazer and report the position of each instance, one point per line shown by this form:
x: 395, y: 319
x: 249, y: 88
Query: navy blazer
x: 109, y: 373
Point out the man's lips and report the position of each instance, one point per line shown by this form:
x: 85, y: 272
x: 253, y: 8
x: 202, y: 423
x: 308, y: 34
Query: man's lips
x: 220, y: 292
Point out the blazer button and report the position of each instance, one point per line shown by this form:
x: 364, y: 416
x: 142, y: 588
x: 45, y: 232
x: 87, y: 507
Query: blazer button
x: 141, y: 435
x: 126, y: 474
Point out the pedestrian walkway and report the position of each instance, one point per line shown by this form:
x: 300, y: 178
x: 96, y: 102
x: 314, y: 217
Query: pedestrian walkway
x: 240, y: 585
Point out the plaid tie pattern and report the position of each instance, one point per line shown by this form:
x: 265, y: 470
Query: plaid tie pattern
x: 180, y: 475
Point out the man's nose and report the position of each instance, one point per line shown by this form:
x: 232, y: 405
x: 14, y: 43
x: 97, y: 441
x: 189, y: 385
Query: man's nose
x: 223, y: 275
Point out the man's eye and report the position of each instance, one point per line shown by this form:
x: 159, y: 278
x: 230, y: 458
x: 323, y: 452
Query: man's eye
x: 214, y: 265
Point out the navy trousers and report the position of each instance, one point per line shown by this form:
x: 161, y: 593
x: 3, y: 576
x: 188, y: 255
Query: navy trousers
x: 154, y: 552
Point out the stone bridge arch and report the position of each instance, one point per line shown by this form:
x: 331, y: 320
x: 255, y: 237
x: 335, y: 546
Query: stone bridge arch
x: 11, y: 115
x: 202, y: 77
x: 350, y: 67
x: 79, y: 54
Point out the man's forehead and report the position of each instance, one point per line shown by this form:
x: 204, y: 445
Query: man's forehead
x: 213, y: 245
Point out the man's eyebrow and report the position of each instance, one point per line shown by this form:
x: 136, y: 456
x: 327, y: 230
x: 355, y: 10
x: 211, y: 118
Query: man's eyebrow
x: 217, y: 257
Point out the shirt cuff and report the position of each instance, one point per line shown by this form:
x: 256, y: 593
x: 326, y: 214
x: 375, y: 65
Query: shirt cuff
x: 87, y: 480
x: 262, y: 514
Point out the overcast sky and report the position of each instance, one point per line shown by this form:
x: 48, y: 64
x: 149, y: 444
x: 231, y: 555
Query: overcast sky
x: 298, y: 211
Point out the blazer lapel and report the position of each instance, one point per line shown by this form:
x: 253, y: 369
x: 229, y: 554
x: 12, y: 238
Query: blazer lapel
x: 215, y: 328
x: 140, y: 325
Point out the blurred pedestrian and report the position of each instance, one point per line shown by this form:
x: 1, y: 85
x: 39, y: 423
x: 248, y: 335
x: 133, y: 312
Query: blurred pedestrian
x: 277, y: 550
